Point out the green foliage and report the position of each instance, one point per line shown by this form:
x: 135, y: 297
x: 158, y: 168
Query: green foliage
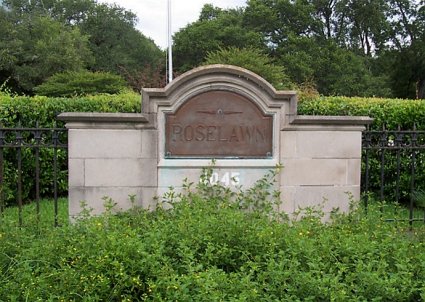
x: 42, y: 38
x: 335, y: 71
x: 215, y: 29
x: 33, y: 221
x: 419, y: 199
x: 340, y: 45
x: 206, y: 248
x: 42, y: 111
x: 77, y: 83
x: 27, y: 111
x: 390, y: 113
x: 254, y: 60
x: 115, y: 42
x: 39, y: 47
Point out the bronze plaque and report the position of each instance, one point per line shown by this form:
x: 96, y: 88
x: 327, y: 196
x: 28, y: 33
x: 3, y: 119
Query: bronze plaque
x: 218, y: 124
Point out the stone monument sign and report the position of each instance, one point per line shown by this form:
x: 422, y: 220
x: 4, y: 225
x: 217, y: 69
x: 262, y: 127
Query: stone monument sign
x: 219, y: 112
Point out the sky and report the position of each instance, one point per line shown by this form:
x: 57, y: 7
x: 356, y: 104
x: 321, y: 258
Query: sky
x: 152, y: 14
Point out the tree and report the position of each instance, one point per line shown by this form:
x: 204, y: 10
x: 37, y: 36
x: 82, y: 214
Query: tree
x: 112, y: 42
x: 329, y: 42
x: 368, y: 25
x: 37, y: 47
x: 7, y: 44
x: 408, y: 38
x: 254, y: 60
x: 215, y: 29
x: 115, y: 42
x: 343, y: 72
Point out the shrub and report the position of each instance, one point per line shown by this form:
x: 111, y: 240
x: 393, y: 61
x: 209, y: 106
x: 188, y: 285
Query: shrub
x: 206, y: 248
x: 28, y: 111
x: 78, y: 83
x: 388, y: 113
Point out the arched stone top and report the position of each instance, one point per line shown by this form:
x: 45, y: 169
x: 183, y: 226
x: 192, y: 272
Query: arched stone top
x: 217, y: 77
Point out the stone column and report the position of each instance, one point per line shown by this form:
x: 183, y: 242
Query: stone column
x: 110, y: 155
x: 321, y: 156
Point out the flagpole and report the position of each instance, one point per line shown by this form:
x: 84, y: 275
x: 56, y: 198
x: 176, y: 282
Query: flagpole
x: 170, y: 51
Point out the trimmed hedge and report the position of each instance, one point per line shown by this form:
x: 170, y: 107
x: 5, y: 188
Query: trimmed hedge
x: 28, y: 111
x: 390, y: 113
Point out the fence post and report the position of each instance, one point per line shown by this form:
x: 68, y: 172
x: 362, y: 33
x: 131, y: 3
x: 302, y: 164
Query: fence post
x: 37, y: 141
x: 2, y: 205
x: 412, y: 174
x: 55, y: 138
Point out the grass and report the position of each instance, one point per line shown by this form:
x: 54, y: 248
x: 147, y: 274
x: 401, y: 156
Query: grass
x: 45, y: 219
x: 393, y: 213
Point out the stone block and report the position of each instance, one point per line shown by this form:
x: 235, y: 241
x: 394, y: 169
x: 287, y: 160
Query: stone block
x: 288, y: 144
x: 328, y: 144
x: 149, y: 144
x: 120, y: 172
x: 298, y: 172
x: 76, y: 176
x: 287, y: 198
x: 105, y: 143
x: 149, y: 198
x: 94, y: 198
x: 354, y: 171
x: 328, y: 198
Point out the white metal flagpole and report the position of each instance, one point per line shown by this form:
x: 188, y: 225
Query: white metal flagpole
x: 170, y: 42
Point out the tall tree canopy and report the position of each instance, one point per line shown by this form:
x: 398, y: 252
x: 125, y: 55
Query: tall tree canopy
x: 39, y: 38
x: 215, y: 29
x: 346, y: 47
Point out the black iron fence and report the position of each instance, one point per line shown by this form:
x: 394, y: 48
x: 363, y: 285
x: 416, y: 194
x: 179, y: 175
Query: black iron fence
x: 31, y: 165
x: 393, y: 169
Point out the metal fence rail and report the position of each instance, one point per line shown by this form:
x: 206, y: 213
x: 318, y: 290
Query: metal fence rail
x: 394, y: 166
x: 18, y: 140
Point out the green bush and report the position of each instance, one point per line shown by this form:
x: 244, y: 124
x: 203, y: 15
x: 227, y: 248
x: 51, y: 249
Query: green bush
x: 204, y: 247
x: 28, y: 111
x: 390, y: 113
x: 77, y: 83
x: 42, y: 111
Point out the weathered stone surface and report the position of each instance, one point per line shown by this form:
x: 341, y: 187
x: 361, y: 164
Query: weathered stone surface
x: 230, y: 177
x: 149, y: 144
x: 314, y: 172
x: 120, y: 172
x: 326, y: 198
x: 95, y: 198
x: 105, y: 143
x: 76, y: 176
x: 328, y: 144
